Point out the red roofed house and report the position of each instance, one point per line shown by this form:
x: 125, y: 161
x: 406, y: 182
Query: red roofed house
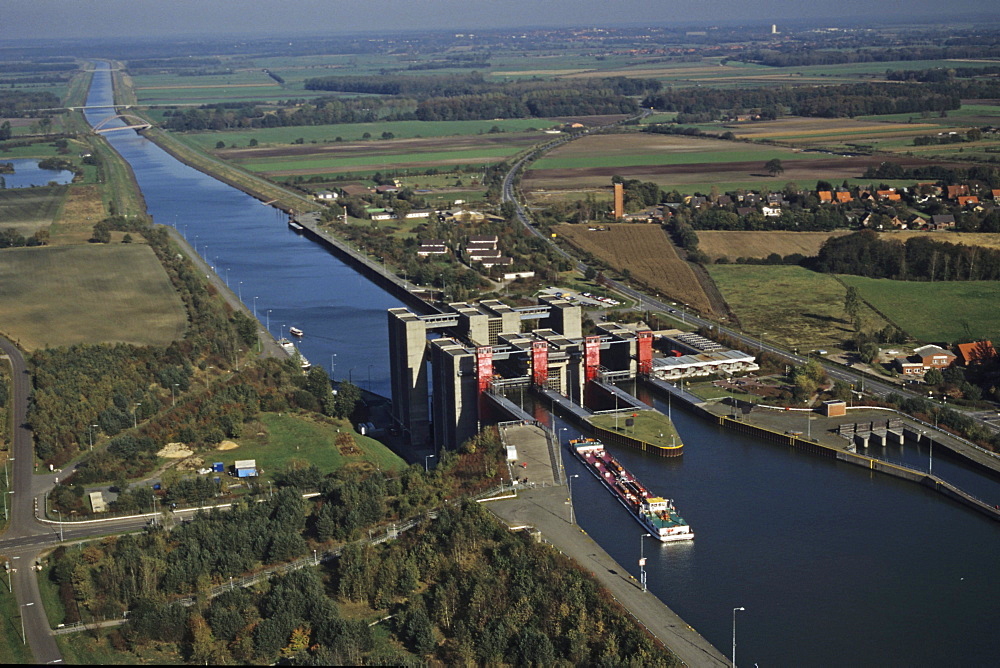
x: 976, y: 352
x: 843, y: 196
x: 890, y: 195
x: 825, y: 196
x: 934, y: 357
x: 967, y: 199
x: 954, y: 192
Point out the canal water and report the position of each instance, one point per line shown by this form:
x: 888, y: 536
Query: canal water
x: 835, y: 566
x: 27, y: 173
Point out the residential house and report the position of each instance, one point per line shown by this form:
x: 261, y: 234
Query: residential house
x: 965, y: 200
x: 771, y: 211
x: 977, y: 352
x: 908, y: 367
x: 843, y: 196
x: 996, y: 195
x: 825, y: 196
x: 954, y: 192
x: 745, y: 210
x: 383, y: 190
x: 775, y: 199
x: 942, y: 222
x: 355, y: 190
x: 889, y: 195
x: 325, y: 195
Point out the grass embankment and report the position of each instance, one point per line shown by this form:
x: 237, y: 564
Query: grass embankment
x: 648, y: 426
x: 789, y: 305
x: 944, y: 312
x: 84, y: 294
x: 248, y: 183
x: 289, y: 438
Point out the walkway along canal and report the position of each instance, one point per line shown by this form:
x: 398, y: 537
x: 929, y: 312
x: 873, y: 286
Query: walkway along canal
x: 835, y: 565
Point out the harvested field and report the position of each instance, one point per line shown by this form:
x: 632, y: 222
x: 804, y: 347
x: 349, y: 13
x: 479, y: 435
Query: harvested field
x: 741, y: 243
x: 60, y: 296
x: 81, y: 210
x: 804, y: 128
x: 647, y: 253
x: 30, y: 209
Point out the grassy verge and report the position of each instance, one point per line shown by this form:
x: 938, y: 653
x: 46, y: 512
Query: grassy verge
x: 648, y: 426
x: 12, y: 647
x: 88, y: 648
x: 55, y: 612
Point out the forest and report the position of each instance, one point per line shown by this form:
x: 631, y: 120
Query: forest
x: 917, y: 259
x: 458, y: 589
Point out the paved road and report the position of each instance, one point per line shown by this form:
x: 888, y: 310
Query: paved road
x: 545, y: 510
x: 25, y: 537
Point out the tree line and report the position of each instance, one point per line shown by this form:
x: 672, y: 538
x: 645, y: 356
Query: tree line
x: 918, y: 258
x: 846, y: 100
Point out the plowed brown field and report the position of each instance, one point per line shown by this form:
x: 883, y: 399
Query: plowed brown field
x: 647, y: 253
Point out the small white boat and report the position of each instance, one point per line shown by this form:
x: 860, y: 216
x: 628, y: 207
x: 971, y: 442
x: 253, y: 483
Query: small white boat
x: 295, y: 331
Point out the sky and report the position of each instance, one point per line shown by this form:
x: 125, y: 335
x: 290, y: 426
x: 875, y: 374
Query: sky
x: 51, y: 19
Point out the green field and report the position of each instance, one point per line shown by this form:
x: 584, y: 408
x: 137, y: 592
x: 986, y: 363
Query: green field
x: 747, y: 153
x: 789, y: 305
x: 943, y: 312
x: 317, y: 164
x: 12, y: 649
x: 291, y: 437
x: 355, y: 131
x: 27, y: 209
x: 61, y: 296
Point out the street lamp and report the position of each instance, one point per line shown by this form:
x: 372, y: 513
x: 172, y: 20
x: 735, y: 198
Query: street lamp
x: 734, y: 633
x: 254, y: 305
x: 240, y: 288
x: 173, y: 398
x: 642, y: 560
x: 24, y: 638
x: 135, y: 422
x: 91, y: 430
x: 426, y: 457
x: 60, y: 525
x: 569, y: 481
x: 333, y: 366
x: 268, y: 321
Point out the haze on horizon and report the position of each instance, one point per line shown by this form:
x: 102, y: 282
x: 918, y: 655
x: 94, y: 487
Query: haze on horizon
x: 130, y: 19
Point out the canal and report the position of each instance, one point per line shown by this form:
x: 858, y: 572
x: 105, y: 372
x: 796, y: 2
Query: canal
x: 835, y: 565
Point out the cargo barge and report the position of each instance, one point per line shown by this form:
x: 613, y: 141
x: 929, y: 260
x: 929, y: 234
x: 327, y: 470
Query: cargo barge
x: 656, y: 514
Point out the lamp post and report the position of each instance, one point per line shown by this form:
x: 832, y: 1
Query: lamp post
x: 60, y: 525
x: 227, y: 277
x: 135, y: 419
x: 240, y: 288
x: 333, y: 366
x: 24, y: 638
x: 741, y: 609
x: 90, y: 429
x: 254, y: 305
x: 173, y: 397
x: 268, y: 321
x: 569, y: 481
x: 426, y: 457
x: 642, y: 561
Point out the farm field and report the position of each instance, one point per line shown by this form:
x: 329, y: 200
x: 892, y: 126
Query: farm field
x: 647, y: 253
x: 985, y: 239
x: 381, y: 155
x: 290, y: 437
x: 352, y: 132
x: 789, y: 305
x: 796, y: 130
x: 30, y: 209
x: 733, y: 244
x: 687, y: 164
x: 61, y: 296
x: 940, y: 312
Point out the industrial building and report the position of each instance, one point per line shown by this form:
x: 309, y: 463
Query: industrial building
x: 449, y: 370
